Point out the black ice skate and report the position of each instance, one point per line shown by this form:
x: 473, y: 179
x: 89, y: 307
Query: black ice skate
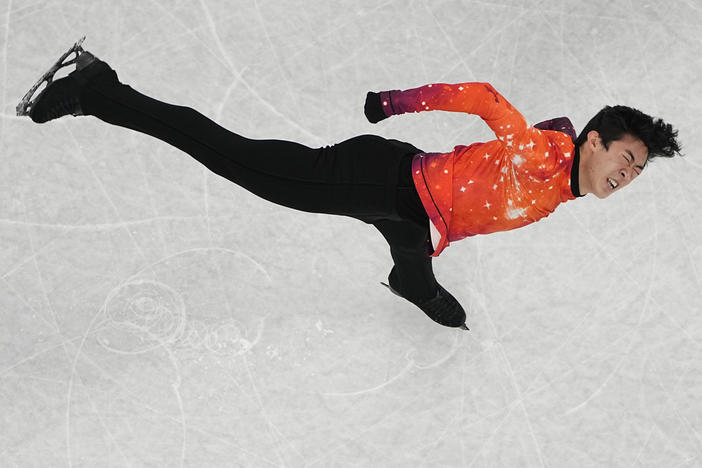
x: 62, y: 97
x: 444, y: 309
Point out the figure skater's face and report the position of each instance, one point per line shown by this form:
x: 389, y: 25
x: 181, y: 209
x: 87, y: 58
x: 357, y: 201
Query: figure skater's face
x: 609, y: 170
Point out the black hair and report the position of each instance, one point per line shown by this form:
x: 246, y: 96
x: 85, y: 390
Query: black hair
x: 612, y: 123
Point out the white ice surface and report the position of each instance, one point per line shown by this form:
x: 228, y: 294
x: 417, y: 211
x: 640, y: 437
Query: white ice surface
x: 155, y: 314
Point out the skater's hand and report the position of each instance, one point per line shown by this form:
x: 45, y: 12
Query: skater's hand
x: 374, y: 108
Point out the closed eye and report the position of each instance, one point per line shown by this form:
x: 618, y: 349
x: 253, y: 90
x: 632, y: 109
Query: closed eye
x: 632, y: 161
x: 640, y: 168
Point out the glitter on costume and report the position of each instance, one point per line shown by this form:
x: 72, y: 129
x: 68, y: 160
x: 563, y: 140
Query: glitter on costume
x: 499, y: 185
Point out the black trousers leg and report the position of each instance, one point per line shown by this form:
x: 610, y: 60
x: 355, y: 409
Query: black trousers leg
x: 356, y: 178
x: 412, y: 274
x: 366, y: 177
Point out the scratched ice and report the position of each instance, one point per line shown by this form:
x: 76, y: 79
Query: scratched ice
x: 155, y: 314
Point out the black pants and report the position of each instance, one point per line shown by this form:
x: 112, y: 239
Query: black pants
x: 366, y: 177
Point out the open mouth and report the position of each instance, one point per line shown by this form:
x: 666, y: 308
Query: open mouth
x: 613, y: 184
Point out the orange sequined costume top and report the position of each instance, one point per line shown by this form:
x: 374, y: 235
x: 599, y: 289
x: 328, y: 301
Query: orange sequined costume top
x: 514, y: 180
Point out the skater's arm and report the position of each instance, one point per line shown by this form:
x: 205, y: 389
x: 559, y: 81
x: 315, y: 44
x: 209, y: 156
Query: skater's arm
x: 472, y: 98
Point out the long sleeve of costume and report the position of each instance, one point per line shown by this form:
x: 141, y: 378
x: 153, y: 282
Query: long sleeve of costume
x: 514, y: 180
x: 479, y: 99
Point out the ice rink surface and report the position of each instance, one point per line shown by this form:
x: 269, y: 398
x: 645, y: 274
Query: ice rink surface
x: 155, y: 314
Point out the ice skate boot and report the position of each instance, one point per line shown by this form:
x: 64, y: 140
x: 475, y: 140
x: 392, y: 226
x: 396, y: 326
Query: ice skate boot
x: 444, y: 309
x: 62, y: 97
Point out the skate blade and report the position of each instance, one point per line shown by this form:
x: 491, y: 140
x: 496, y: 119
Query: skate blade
x: 25, y: 105
x: 390, y: 288
x: 462, y: 327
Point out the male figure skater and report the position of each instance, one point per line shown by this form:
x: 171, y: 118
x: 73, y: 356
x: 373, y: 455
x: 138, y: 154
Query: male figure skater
x: 419, y: 201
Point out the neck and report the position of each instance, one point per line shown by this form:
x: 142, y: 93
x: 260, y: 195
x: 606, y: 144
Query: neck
x: 584, y: 170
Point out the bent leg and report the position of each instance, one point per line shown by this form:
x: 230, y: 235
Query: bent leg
x: 412, y: 275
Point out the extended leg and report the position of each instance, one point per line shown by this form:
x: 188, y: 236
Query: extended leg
x: 356, y: 177
x: 349, y: 178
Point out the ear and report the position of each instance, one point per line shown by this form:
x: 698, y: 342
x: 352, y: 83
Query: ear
x: 593, y: 139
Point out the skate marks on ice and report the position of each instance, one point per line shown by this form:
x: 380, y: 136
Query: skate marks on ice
x: 142, y: 316
x: 411, y: 364
x: 189, y: 307
x: 145, y: 315
x: 152, y: 334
